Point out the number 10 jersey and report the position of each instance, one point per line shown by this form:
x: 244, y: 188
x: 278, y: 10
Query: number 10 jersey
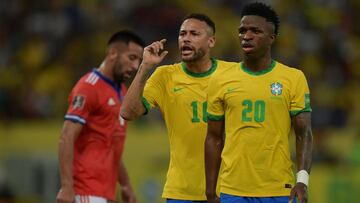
x: 181, y: 97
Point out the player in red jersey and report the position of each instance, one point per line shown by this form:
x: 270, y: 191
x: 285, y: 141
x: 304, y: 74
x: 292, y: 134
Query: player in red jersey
x: 93, y: 134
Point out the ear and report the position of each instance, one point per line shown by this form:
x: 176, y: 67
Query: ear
x: 112, y: 53
x: 212, y: 41
x: 272, y: 38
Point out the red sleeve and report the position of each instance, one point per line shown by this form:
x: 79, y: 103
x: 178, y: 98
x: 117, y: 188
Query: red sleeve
x: 82, y: 101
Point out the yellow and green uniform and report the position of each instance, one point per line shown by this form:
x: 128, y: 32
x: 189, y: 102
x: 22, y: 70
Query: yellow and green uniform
x: 181, y: 97
x: 257, y: 110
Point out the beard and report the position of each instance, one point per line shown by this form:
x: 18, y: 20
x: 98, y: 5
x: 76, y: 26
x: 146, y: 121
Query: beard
x: 198, y: 54
x: 118, y: 75
x: 118, y: 79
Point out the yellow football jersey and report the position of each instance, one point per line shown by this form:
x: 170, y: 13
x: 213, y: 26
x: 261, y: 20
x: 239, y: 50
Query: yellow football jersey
x: 257, y: 109
x: 181, y: 97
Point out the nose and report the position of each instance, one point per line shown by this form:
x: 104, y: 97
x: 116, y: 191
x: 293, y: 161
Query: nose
x: 248, y: 35
x: 185, y: 38
x: 134, y: 65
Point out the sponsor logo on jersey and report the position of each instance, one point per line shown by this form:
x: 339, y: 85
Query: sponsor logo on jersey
x: 276, y: 88
x: 111, y: 102
x: 232, y: 89
x: 92, y: 79
x: 78, y: 102
x: 177, y: 89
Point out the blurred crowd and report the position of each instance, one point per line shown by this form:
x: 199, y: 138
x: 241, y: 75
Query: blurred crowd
x: 46, y: 45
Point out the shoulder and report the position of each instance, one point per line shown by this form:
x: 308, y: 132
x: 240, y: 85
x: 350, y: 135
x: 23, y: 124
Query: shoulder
x: 225, y: 68
x: 166, y: 70
x: 87, y: 84
x: 222, y: 63
x: 288, y: 69
x: 169, y: 68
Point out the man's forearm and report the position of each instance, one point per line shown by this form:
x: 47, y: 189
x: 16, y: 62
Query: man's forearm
x: 304, y: 151
x: 132, y: 106
x: 66, y: 154
x: 213, y: 148
x: 304, y: 141
x: 123, y: 175
x: 69, y: 134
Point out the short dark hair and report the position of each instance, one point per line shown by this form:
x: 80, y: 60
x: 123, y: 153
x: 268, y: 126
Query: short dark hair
x: 263, y: 10
x: 202, y: 17
x: 126, y: 36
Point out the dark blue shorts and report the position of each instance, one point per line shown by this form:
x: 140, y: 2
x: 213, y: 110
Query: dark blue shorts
x: 184, y: 201
x: 225, y: 198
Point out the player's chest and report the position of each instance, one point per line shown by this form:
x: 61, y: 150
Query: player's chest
x: 272, y: 91
x: 109, y: 103
x: 185, y: 92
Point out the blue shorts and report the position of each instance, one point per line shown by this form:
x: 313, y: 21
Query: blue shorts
x: 184, y: 201
x: 225, y: 198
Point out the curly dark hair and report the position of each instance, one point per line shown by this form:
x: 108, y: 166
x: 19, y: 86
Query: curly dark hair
x: 263, y: 10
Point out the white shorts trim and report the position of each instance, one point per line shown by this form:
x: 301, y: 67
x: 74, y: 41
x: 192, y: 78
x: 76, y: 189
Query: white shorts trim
x: 89, y: 199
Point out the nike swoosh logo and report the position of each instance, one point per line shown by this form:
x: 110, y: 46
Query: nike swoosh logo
x: 230, y: 89
x: 178, y: 89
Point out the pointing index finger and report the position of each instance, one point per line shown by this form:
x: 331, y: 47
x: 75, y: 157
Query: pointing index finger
x: 163, y: 41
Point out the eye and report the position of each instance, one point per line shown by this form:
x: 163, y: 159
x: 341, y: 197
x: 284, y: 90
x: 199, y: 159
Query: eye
x: 182, y: 33
x: 242, y: 31
x: 132, y: 57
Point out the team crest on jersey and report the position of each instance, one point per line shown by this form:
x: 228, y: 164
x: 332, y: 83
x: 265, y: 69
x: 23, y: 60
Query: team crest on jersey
x: 78, y: 102
x: 276, y: 88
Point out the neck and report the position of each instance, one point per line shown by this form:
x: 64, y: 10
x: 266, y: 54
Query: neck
x: 106, y: 70
x: 199, y: 66
x: 257, y: 64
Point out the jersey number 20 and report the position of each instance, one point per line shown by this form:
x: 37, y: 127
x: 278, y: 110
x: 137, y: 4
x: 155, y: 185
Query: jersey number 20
x: 258, y: 107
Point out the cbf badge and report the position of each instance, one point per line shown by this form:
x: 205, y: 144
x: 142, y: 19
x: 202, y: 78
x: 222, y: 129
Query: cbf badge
x: 276, y: 88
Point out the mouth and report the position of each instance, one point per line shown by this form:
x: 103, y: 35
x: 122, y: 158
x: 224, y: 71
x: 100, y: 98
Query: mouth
x: 129, y: 74
x: 247, y: 47
x: 186, y: 50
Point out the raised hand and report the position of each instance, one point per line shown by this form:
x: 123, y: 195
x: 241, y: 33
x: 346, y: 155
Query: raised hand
x: 154, y: 53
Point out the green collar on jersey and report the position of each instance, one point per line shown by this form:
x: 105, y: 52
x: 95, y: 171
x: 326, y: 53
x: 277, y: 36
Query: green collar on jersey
x: 262, y: 72
x: 200, y: 75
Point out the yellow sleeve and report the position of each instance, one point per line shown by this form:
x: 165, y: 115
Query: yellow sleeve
x: 154, y: 90
x: 300, y: 96
x: 215, y: 100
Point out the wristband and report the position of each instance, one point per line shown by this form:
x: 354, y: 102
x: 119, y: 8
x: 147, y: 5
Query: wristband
x: 302, y: 177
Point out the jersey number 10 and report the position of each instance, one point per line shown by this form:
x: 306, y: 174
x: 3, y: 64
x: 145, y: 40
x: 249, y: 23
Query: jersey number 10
x: 195, y: 118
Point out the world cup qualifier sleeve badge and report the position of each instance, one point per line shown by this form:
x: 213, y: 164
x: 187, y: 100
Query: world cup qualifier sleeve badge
x: 276, y: 88
x: 78, y: 102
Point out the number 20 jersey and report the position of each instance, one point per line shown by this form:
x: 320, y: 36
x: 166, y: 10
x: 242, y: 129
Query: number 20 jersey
x: 257, y: 109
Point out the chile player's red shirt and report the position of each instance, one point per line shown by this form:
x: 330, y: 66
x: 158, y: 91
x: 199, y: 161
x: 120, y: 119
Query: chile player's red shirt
x: 95, y: 103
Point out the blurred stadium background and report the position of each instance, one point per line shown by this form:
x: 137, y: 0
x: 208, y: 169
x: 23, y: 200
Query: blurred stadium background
x: 46, y: 45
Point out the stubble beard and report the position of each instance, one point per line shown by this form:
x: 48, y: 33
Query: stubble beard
x: 198, y: 54
x: 118, y: 75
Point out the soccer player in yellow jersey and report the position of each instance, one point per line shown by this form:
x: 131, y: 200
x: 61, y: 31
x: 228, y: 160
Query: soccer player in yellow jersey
x: 179, y: 90
x: 256, y: 103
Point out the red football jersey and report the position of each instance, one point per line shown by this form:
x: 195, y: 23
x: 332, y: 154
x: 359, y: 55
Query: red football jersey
x: 95, y: 102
